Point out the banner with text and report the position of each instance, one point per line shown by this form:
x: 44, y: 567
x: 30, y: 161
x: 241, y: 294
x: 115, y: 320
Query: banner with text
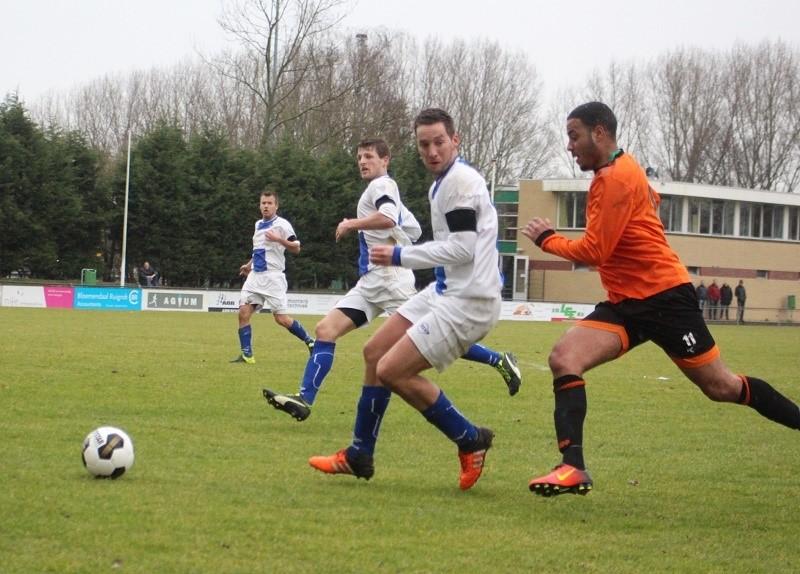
x: 118, y: 299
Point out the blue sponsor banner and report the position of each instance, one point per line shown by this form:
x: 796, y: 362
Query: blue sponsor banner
x: 108, y: 298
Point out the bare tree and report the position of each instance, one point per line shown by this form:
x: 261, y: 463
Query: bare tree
x: 623, y: 87
x: 365, y: 71
x: 764, y: 97
x: 692, y: 135
x: 286, y: 44
x: 495, y: 97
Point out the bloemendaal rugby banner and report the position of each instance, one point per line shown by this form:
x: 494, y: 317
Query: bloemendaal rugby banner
x: 108, y: 298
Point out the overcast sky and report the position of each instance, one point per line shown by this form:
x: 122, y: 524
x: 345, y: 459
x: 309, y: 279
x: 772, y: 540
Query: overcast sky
x: 55, y: 45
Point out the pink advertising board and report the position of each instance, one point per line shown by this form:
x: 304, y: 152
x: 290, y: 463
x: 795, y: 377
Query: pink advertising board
x: 58, y: 296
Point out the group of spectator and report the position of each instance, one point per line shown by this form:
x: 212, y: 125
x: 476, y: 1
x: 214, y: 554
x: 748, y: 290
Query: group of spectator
x: 715, y: 301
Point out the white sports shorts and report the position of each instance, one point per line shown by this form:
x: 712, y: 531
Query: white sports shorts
x: 446, y: 326
x: 265, y: 289
x: 383, y: 289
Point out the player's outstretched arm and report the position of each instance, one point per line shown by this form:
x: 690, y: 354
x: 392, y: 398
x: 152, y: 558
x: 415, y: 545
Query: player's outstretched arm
x: 458, y: 248
x: 376, y: 220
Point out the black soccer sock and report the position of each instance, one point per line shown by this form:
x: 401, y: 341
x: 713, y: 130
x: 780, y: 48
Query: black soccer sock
x: 570, y: 411
x: 768, y: 402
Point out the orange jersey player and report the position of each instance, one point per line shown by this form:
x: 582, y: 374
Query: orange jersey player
x: 650, y: 298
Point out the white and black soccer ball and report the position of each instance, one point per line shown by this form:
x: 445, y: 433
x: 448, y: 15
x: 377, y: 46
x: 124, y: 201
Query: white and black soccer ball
x: 107, y: 452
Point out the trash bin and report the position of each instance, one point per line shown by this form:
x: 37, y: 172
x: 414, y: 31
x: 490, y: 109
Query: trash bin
x: 791, y: 302
x: 88, y: 276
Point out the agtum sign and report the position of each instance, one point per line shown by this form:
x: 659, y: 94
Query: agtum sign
x: 172, y: 301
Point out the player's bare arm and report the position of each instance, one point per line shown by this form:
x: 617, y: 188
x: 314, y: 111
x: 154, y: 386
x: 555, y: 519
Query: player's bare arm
x: 244, y: 270
x: 375, y: 221
x: 535, y: 227
x: 292, y: 247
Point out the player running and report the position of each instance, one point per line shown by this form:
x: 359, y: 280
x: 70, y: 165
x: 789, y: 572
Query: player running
x: 266, y: 281
x: 650, y: 298
x: 438, y: 324
x: 382, y: 219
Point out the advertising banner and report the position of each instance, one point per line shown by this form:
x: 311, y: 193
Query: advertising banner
x: 527, y: 311
x: 223, y: 301
x: 23, y: 296
x: 59, y: 296
x: 569, y: 311
x: 120, y: 299
x: 311, y: 304
x: 299, y: 303
x: 173, y: 300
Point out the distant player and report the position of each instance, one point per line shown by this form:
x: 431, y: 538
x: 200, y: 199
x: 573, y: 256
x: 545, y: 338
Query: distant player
x: 650, y: 298
x: 440, y: 323
x: 382, y: 219
x: 266, y: 281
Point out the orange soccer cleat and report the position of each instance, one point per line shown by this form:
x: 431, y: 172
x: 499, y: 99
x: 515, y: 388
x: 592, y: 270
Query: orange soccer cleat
x: 563, y: 479
x: 360, y: 466
x: 472, y: 460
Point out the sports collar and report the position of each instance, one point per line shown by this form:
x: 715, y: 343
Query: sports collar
x: 443, y: 174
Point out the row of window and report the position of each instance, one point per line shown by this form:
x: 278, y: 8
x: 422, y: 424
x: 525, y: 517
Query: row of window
x: 702, y: 216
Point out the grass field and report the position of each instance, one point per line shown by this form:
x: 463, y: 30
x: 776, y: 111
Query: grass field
x: 221, y: 481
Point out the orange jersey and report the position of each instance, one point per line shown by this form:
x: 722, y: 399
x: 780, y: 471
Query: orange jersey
x: 624, y: 236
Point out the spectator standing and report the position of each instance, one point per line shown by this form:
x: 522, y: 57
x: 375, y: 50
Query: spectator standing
x: 741, y: 297
x: 725, y: 298
x: 713, y: 300
x: 702, y: 297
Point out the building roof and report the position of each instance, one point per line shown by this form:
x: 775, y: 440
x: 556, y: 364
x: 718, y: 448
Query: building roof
x: 689, y: 190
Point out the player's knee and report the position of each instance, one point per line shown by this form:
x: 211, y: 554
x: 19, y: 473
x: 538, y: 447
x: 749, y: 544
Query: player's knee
x: 372, y: 353
x: 324, y: 332
x: 283, y: 320
x: 385, y: 375
x: 559, y: 359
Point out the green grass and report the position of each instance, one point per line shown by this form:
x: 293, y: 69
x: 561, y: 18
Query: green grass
x: 221, y: 481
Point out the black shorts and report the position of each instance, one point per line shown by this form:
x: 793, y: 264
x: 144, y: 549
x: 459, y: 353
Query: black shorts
x: 671, y: 319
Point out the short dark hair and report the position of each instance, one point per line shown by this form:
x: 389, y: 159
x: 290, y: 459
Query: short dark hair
x: 431, y: 116
x: 380, y: 146
x: 270, y: 192
x: 595, y: 114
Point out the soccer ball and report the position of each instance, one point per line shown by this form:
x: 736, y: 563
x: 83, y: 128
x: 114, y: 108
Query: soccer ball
x: 107, y: 452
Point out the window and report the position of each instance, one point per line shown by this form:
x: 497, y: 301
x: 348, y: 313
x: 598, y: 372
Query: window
x: 762, y: 274
x: 794, y: 223
x: 572, y: 210
x: 773, y: 221
x: 750, y: 220
x: 699, y: 215
x: 761, y: 220
x: 507, y: 221
x: 670, y: 212
x: 722, y: 217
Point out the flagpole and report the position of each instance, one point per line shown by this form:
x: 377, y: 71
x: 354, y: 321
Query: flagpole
x: 125, y: 215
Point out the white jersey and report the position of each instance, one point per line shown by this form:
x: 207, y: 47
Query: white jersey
x: 269, y: 255
x: 383, y: 196
x: 465, y: 260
